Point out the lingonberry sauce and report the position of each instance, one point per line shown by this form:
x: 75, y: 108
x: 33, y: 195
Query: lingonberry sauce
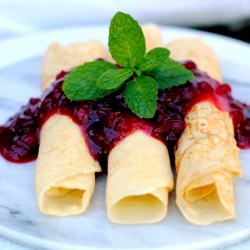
x: 106, y: 121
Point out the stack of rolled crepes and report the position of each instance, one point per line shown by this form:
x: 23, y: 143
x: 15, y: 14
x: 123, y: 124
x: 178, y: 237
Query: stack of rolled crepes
x: 139, y: 175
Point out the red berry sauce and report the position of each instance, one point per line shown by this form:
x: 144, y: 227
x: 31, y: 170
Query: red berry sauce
x: 106, y: 121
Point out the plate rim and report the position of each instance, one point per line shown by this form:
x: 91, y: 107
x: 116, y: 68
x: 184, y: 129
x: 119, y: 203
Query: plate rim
x: 32, y: 241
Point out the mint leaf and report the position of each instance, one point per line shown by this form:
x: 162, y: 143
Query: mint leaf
x: 154, y: 58
x: 80, y: 84
x: 113, y: 78
x: 126, y: 40
x: 141, y: 96
x: 170, y: 74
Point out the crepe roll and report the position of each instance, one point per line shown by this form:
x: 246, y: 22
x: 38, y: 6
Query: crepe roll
x: 198, y: 51
x: 139, y: 180
x: 59, y: 57
x: 207, y: 157
x: 153, y: 36
x: 65, y: 169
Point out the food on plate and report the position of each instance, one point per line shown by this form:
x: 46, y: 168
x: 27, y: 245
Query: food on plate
x: 65, y: 169
x: 207, y: 157
x: 139, y: 180
x: 207, y: 160
x: 139, y: 169
x: 130, y: 117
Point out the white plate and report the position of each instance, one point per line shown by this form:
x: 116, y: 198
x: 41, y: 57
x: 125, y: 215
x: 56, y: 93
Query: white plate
x: 20, y: 64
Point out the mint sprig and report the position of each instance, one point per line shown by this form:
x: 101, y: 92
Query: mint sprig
x: 142, y: 73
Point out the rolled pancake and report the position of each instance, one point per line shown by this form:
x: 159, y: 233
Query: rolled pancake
x: 207, y: 157
x: 65, y: 170
x: 153, y: 37
x: 139, y: 180
x: 59, y: 57
x: 139, y: 173
x: 195, y: 49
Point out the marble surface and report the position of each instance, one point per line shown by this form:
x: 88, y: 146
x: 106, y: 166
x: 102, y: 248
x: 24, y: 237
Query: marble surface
x: 21, y: 221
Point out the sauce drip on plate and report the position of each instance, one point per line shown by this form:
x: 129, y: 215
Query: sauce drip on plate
x: 106, y: 121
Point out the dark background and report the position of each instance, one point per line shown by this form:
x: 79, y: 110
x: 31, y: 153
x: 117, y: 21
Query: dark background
x: 240, y: 30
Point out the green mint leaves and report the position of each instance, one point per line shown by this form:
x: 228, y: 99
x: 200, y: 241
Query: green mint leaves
x: 81, y: 83
x: 154, y: 58
x: 142, y: 73
x: 114, y: 78
x: 170, y: 73
x: 126, y: 40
